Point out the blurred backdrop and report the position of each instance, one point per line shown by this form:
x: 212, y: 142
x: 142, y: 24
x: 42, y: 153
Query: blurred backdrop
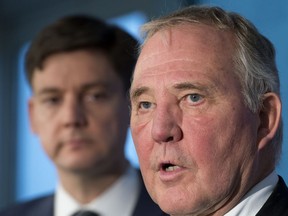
x: 25, y: 171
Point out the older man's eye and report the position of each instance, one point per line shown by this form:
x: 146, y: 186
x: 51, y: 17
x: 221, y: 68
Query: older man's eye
x: 145, y: 105
x: 194, y: 98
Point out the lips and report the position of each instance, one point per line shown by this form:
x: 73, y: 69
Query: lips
x: 169, y: 171
x: 76, y: 143
x: 169, y: 167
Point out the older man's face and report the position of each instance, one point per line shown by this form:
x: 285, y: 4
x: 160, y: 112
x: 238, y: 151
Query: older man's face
x: 195, y: 138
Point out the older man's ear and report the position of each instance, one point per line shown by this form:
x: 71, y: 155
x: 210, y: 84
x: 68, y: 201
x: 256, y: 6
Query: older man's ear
x: 270, y: 118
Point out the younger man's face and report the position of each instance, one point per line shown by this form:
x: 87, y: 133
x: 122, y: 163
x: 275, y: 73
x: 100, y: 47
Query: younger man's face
x: 80, y: 112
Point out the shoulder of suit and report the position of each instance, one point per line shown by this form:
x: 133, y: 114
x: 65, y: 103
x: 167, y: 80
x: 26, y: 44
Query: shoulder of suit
x: 23, y: 208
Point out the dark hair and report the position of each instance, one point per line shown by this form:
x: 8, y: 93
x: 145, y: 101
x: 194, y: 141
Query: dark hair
x: 84, y: 32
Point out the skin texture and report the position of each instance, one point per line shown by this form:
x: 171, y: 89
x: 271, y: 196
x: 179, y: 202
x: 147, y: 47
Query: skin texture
x: 188, y: 111
x: 80, y: 112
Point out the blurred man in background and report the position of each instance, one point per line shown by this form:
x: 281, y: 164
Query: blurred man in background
x: 79, y: 69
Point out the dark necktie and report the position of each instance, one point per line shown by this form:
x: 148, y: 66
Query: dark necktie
x: 85, y: 213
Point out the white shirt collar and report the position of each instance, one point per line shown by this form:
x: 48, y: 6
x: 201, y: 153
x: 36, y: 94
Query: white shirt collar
x: 119, y: 199
x: 252, y: 202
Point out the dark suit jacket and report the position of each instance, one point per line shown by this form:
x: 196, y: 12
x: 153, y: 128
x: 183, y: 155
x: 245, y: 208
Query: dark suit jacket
x: 277, y: 203
x: 44, y: 206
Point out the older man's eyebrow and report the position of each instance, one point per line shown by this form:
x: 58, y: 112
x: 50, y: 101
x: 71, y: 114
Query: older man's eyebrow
x: 189, y: 85
x: 137, y: 92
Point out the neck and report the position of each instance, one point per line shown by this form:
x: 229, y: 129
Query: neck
x: 85, y: 188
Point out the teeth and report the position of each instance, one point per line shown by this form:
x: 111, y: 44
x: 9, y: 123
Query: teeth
x: 171, y: 168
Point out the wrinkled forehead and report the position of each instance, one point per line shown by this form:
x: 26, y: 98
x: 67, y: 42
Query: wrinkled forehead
x: 165, y: 61
x: 182, y: 46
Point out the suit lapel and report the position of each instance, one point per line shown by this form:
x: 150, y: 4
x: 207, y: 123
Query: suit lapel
x: 145, y: 205
x: 277, y: 203
x: 45, y: 207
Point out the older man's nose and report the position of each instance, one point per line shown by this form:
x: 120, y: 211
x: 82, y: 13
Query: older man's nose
x: 166, y: 126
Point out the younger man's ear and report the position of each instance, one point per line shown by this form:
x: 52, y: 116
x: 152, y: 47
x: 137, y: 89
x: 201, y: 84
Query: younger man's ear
x: 31, y: 112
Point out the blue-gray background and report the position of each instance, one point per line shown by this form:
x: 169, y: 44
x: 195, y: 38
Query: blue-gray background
x: 25, y: 171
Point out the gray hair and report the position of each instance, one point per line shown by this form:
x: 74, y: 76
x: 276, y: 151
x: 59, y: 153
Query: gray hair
x: 254, y: 58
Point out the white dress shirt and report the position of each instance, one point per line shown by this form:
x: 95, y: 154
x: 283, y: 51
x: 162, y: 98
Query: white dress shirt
x: 119, y: 199
x: 252, y: 202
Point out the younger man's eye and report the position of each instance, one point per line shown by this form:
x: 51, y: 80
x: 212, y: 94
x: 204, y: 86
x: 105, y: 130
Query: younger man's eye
x: 96, y: 96
x: 51, y: 100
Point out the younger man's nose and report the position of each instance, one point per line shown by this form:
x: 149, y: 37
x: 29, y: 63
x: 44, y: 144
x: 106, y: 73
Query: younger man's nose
x: 73, y: 113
